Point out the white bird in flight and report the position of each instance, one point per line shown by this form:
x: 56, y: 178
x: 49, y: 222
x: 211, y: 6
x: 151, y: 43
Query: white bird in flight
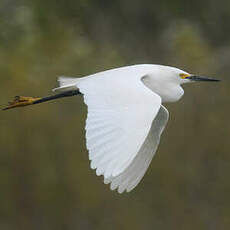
x: 125, y: 116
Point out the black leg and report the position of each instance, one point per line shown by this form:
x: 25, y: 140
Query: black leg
x: 56, y: 96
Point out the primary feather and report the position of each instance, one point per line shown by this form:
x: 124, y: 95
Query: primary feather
x: 130, y: 178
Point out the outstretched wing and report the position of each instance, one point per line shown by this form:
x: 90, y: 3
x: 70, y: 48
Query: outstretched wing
x: 120, y: 115
x: 133, y: 174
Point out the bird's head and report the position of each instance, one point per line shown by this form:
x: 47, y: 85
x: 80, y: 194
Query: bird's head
x: 166, y: 81
x: 172, y: 75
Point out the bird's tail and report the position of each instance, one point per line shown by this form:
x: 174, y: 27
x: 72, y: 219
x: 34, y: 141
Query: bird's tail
x: 66, y: 84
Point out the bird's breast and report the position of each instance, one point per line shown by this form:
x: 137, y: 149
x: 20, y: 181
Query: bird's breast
x: 171, y: 94
x: 167, y: 92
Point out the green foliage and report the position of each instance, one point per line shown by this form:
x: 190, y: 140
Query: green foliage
x: 45, y: 178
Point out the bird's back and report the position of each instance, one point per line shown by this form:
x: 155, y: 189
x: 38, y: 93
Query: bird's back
x: 125, y: 73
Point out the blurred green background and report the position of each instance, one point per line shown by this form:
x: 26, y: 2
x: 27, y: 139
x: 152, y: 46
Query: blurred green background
x: 45, y: 179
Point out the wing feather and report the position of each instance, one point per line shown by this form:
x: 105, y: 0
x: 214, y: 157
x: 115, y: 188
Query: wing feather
x: 130, y: 178
x: 120, y: 115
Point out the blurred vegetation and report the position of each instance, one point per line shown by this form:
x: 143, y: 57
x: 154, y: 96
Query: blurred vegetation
x: 45, y: 178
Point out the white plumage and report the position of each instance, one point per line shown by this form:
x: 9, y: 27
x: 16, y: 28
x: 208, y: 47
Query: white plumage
x: 125, y: 118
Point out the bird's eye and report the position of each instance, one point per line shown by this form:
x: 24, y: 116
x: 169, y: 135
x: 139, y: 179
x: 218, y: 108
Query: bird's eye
x: 184, y: 76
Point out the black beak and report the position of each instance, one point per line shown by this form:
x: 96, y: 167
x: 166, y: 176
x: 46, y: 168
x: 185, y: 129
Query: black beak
x: 198, y: 78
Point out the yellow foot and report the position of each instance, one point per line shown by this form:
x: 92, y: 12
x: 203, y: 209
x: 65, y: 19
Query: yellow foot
x: 20, y: 101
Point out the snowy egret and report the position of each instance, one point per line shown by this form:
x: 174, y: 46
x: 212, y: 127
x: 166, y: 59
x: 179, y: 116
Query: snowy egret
x: 125, y: 116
